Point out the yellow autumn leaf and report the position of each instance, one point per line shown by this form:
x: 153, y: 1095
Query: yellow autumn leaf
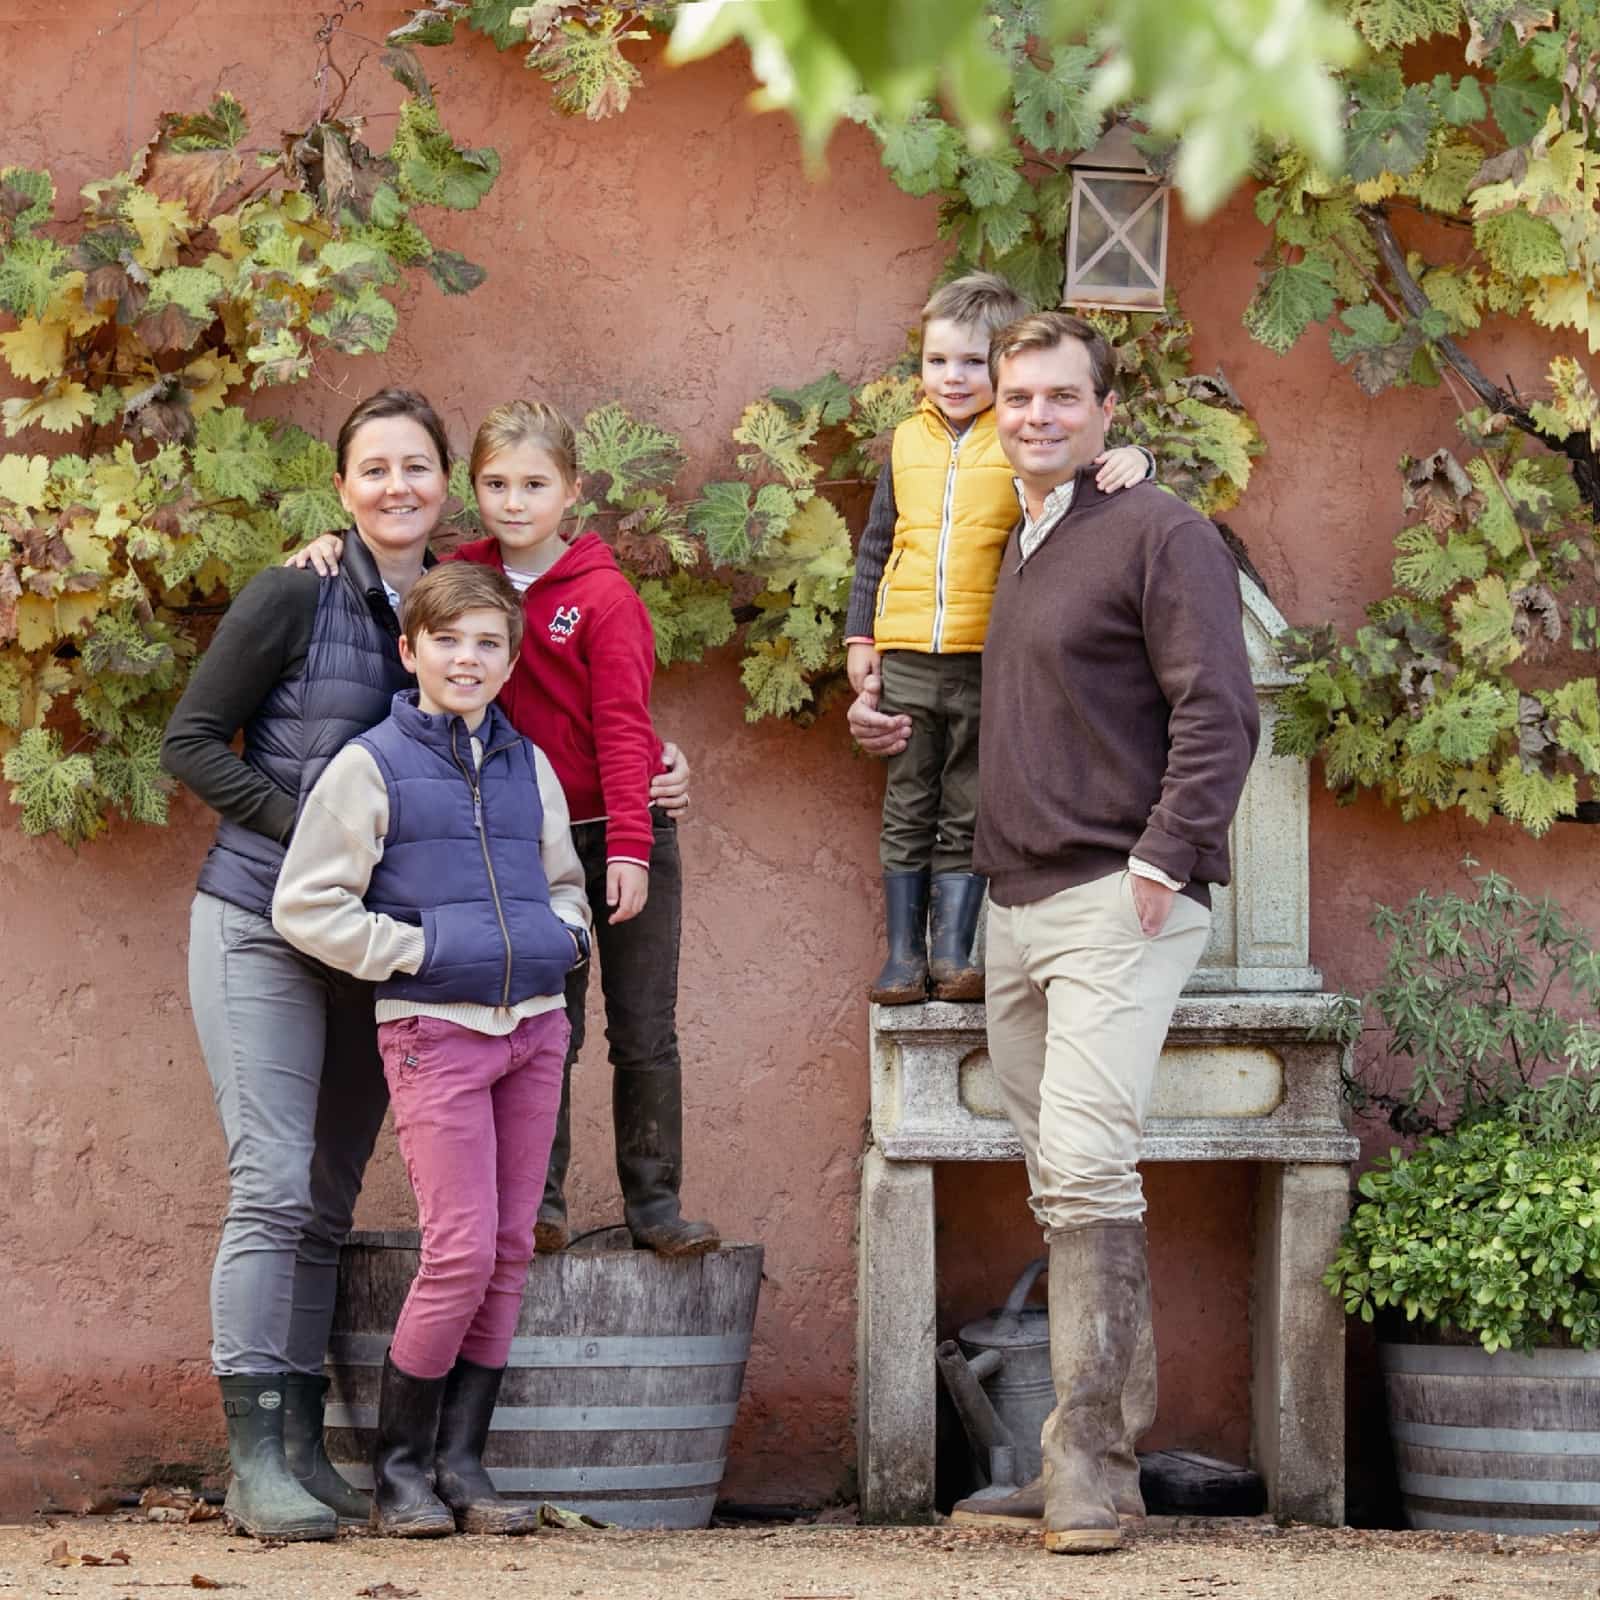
x: 118, y: 479
x: 36, y: 622
x: 37, y: 350
x: 73, y: 611
x: 1565, y: 303
x: 1376, y: 189
x: 111, y: 523
x: 209, y: 380
x: 90, y: 552
x: 68, y: 305
x: 162, y: 225
x: 58, y: 408
x: 23, y: 479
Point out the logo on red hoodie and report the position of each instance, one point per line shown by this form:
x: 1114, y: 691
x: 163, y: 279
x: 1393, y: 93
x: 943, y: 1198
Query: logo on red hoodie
x: 564, y: 623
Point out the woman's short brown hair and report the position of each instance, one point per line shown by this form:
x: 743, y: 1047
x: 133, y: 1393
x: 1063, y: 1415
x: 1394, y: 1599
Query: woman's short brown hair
x: 450, y: 590
x: 393, y: 403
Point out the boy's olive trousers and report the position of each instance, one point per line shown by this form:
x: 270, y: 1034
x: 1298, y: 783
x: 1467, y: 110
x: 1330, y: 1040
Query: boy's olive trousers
x: 930, y: 803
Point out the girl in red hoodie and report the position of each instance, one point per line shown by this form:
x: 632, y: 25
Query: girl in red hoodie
x: 581, y: 692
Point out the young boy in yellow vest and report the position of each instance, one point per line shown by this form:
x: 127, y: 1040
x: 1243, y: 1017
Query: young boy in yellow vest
x: 919, y: 610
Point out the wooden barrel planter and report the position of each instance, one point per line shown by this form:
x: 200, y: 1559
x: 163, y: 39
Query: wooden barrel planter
x: 622, y: 1385
x: 1504, y: 1443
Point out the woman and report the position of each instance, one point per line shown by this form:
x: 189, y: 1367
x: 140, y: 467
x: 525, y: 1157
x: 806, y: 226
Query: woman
x: 300, y: 665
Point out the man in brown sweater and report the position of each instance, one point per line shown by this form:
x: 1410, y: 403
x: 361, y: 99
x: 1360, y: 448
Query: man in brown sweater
x: 1118, y: 725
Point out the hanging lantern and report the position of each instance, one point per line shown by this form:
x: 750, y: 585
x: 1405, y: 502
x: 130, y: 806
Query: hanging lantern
x: 1117, y: 236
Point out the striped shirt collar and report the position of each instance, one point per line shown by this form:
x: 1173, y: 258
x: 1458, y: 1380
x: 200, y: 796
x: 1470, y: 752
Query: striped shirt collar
x: 1056, y: 505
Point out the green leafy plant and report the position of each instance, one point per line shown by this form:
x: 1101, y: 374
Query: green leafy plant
x: 208, y: 269
x: 1482, y: 1230
x: 1488, y: 1226
x: 1473, y: 1013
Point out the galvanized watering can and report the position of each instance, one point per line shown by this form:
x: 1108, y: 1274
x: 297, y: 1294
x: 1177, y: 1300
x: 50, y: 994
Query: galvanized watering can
x: 999, y: 1379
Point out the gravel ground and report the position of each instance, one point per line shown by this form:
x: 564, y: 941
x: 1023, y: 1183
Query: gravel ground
x: 1221, y: 1560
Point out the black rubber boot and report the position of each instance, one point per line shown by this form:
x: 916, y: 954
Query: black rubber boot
x: 953, y: 906
x: 647, y: 1114
x: 264, y: 1497
x: 404, y: 1505
x: 904, y: 978
x: 303, y: 1448
x: 459, y: 1478
x: 550, y: 1232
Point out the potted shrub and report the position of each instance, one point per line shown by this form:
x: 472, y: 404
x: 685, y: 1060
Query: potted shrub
x: 1477, y: 1251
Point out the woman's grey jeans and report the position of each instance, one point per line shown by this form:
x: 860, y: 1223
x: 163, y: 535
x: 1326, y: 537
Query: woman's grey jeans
x: 292, y: 1051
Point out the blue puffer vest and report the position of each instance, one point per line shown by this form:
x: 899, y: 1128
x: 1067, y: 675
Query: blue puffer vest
x: 462, y: 860
x: 351, y: 674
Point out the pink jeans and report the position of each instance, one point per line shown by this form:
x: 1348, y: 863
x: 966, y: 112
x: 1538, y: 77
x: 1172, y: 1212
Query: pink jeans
x: 474, y: 1115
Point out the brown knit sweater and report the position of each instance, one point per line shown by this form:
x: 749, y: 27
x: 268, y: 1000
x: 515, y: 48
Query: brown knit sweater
x: 1118, y: 713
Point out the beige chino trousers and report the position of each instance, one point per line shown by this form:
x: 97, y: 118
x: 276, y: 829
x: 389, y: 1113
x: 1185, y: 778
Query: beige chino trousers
x: 1079, y: 1001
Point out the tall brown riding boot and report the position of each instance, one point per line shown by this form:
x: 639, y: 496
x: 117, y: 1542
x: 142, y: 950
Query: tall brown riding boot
x: 1095, y: 1273
x: 1138, y: 1410
x: 1025, y: 1507
x: 550, y: 1231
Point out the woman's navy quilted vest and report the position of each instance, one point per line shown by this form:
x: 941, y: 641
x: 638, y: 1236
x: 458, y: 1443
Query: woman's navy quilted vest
x: 462, y: 860
x: 351, y: 674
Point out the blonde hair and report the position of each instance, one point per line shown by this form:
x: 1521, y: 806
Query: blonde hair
x: 1045, y: 330
x: 526, y: 422
x: 450, y: 590
x: 981, y: 300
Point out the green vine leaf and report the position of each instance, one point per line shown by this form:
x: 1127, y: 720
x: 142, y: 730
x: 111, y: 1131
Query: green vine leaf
x: 1290, y: 299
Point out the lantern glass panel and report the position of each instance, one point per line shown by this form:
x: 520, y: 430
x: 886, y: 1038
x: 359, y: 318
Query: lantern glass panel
x: 1117, y: 240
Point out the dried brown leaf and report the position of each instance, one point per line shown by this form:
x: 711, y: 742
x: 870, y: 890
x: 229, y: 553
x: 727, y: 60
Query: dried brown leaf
x: 387, y: 1591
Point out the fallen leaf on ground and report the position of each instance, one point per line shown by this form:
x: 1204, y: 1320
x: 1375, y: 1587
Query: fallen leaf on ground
x: 552, y: 1516
x: 200, y: 1581
x: 174, y: 1503
x: 387, y: 1591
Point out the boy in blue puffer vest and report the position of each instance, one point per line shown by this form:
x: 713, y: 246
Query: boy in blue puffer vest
x: 434, y: 858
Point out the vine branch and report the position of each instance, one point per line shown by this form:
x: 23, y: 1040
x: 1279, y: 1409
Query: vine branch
x: 1576, y: 446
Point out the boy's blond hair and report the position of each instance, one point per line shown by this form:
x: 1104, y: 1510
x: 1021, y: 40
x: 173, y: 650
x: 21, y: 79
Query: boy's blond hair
x: 527, y: 422
x: 1045, y: 330
x: 450, y: 590
x: 981, y: 300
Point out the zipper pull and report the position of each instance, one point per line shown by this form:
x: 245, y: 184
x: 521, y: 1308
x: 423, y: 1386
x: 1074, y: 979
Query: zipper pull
x: 477, y: 807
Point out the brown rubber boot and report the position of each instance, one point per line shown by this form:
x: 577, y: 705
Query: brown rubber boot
x: 1095, y: 1273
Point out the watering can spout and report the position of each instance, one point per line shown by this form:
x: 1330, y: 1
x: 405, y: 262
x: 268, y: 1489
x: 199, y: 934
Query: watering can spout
x: 989, y: 1437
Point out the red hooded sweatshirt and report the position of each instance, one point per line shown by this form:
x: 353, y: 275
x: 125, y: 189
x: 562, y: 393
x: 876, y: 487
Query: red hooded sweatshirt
x: 581, y: 690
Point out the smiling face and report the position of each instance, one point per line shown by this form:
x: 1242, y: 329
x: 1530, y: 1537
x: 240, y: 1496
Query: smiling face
x: 462, y: 665
x: 522, y: 497
x: 393, y: 485
x: 955, y: 368
x: 1048, y: 419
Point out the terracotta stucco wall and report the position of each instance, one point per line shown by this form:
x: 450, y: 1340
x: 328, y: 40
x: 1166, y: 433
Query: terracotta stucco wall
x: 679, y: 259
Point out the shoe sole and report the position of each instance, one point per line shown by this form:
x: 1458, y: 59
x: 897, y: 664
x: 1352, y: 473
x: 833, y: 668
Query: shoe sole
x: 994, y: 1519
x: 695, y: 1247
x: 1081, y: 1541
x: 292, y: 1535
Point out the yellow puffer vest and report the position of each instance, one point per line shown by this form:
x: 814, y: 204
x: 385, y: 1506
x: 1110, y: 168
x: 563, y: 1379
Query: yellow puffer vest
x: 956, y: 505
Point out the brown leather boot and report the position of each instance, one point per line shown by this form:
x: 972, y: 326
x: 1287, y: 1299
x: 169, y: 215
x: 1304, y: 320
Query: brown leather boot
x: 1138, y: 1411
x: 1024, y: 1507
x: 1095, y: 1273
